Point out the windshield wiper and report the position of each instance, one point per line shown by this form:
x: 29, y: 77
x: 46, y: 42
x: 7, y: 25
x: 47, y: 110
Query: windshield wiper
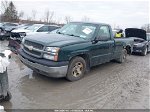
x: 73, y: 35
x: 68, y: 34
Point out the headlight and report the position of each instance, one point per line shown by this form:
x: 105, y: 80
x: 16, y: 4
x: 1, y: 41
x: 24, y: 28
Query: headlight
x: 52, y: 49
x: 139, y: 44
x: 52, y: 53
x: 22, y: 34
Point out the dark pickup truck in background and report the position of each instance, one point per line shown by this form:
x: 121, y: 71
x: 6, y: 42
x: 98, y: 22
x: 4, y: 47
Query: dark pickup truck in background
x: 73, y: 50
x: 141, y: 40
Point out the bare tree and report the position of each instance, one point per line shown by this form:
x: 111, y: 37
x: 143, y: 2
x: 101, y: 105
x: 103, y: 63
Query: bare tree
x: 9, y: 12
x: 85, y: 19
x: 49, y: 16
x: 58, y: 20
x: 4, y: 6
x: 21, y: 14
x: 28, y: 18
x: 68, y: 19
x: 146, y: 27
x: 34, y: 12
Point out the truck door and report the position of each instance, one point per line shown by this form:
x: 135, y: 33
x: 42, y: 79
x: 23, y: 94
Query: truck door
x: 102, y: 50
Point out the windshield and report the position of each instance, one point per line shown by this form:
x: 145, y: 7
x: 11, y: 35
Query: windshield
x: 34, y: 27
x: 82, y: 30
x: 10, y: 25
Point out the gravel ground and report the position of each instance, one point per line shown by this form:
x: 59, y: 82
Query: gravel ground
x: 108, y: 86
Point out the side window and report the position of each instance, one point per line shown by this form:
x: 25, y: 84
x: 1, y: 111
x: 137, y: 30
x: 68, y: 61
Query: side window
x: 104, y: 32
x: 51, y: 28
x: 43, y: 29
x: 13, y: 25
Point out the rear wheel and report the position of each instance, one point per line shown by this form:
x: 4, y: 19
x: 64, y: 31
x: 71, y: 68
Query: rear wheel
x: 122, y: 57
x: 2, y: 38
x: 144, y: 52
x: 76, y: 70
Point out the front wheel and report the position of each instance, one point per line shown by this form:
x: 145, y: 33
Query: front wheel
x: 76, y: 69
x: 122, y: 57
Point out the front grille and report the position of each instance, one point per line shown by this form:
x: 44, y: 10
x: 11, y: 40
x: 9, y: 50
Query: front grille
x: 35, y: 45
x: 36, y: 48
x: 15, y: 35
x: 32, y: 52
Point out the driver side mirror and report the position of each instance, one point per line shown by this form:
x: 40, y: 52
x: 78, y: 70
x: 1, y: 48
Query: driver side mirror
x: 102, y: 38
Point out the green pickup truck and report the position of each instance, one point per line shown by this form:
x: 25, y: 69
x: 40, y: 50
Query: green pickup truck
x: 73, y: 50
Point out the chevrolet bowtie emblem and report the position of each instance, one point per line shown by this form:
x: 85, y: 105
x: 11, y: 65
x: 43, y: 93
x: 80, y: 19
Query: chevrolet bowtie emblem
x: 30, y: 48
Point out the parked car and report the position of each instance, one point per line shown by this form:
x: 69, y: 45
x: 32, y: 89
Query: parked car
x: 141, y: 40
x: 73, y: 50
x: 2, y: 34
x: 8, y: 27
x: 33, y: 29
x: 23, y: 26
x: 18, y: 34
x: 19, y: 28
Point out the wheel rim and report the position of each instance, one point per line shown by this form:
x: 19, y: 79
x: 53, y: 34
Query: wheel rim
x: 77, y: 69
x: 145, y: 51
x: 124, y: 55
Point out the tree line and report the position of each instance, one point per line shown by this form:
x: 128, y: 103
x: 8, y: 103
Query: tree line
x: 9, y: 13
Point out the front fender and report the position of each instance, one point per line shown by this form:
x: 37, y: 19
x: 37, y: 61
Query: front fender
x: 77, y: 53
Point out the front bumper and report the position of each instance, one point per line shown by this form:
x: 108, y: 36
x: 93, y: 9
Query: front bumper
x: 56, y: 72
x: 138, y: 49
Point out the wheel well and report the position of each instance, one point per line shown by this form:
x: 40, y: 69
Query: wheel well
x: 86, y: 58
x: 128, y: 48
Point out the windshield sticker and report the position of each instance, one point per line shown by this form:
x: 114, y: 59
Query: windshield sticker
x: 87, y: 31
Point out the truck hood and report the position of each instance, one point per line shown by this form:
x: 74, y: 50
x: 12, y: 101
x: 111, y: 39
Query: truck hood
x: 135, y: 32
x: 9, y: 28
x: 58, y: 40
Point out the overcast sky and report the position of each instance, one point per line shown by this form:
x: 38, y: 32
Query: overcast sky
x: 122, y: 13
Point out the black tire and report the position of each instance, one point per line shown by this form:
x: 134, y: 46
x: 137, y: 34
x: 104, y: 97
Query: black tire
x: 8, y: 97
x: 7, y: 38
x: 76, y: 69
x: 122, y: 57
x: 144, y: 52
x: 2, y: 38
